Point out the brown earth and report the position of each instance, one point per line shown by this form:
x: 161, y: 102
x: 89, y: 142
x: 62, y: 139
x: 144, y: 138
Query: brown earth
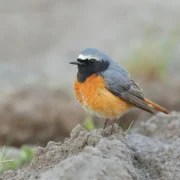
x: 149, y: 152
x: 37, y: 115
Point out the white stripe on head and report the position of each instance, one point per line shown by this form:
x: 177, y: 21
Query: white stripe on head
x: 83, y: 57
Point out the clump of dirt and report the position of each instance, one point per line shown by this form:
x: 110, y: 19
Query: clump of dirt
x: 161, y: 126
x: 85, y: 155
x: 156, y: 143
x: 143, y: 154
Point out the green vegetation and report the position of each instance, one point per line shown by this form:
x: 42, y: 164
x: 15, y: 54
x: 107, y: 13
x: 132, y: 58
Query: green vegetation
x: 129, y: 128
x: 88, y: 123
x: 26, y: 155
x: 150, y: 61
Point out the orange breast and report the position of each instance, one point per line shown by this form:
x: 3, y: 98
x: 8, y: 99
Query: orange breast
x: 97, y: 100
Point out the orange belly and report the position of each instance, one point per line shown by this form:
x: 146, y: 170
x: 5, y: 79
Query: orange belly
x: 97, y: 100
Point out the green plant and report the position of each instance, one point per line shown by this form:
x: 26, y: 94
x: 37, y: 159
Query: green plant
x: 26, y: 155
x: 129, y: 128
x: 150, y: 61
x: 88, y: 123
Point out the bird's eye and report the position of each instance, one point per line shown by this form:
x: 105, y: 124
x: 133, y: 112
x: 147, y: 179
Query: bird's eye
x: 91, y: 61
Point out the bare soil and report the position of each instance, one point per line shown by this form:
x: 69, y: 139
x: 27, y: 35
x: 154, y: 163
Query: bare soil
x: 149, y: 152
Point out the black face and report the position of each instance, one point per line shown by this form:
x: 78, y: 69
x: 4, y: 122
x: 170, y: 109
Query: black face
x: 88, y: 67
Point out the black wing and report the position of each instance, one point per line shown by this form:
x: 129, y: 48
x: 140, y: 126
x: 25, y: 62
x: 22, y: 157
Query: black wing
x: 119, y: 83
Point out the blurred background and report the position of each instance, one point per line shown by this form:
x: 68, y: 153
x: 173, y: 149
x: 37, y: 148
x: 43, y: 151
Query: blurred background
x: 39, y: 38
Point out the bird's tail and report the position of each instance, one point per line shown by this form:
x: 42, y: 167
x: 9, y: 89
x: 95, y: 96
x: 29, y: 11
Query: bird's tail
x: 156, y: 106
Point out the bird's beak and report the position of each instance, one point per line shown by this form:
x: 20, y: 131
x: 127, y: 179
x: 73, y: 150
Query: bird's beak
x: 77, y: 63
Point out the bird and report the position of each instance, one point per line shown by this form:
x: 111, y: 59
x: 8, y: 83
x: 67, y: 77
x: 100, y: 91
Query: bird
x: 105, y: 89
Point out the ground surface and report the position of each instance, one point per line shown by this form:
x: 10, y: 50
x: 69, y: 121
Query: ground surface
x: 150, y: 152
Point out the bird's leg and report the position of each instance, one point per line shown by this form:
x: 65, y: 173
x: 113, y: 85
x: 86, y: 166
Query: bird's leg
x: 112, y: 128
x: 105, y: 123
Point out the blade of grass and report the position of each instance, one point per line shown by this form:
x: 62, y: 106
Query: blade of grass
x: 128, y: 129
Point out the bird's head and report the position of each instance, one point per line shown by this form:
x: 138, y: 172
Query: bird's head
x: 91, y: 61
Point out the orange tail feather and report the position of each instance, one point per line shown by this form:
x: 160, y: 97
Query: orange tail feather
x: 156, y: 106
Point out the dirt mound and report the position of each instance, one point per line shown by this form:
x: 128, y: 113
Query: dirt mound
x: 96, y: 155
x: 85, y: 155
